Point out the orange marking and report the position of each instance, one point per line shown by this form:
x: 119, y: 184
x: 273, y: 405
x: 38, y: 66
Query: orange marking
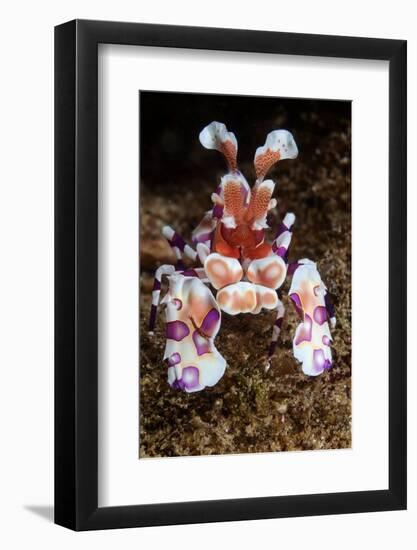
x: 249, y: 300
x: 261, y: 202
x: 243, y: 301
x: 223, y: 298
x: 235, y: 306
x: 269, y: 273
x: 229, y: 151
x: 225, y: 250
x: 308, y: 299
x: 269, y: 299
x: 199, y: 307
x: 241, y: 236
x: 258, y: 252
x: 272, y: 272
x: 222, y: 247
x: 266, y: 297
x: 264, y: 162
x: 220, y: 273
x: 233, y: 199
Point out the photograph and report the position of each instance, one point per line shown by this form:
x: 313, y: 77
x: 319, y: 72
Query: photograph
x: 245, y: 274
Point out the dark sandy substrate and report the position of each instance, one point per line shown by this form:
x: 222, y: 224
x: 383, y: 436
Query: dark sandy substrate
x: 250, y: 410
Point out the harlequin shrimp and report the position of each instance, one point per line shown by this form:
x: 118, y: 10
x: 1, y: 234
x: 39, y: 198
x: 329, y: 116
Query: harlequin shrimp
x: 237, y: 271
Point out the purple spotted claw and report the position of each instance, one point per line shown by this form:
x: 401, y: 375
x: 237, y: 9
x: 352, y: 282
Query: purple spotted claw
x: 311, y: 344
x: 192, y: 323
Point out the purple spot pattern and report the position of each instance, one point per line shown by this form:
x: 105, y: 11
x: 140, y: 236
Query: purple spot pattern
x: 209, y: 324
x: 316, y: 290
x: 304, y: 331
x: 188, y: 380
x: 326, y: 340
x: 178, y: 385
x: 177, y: 330
x: 178, y: 303
x: 190, y: 377
x: 174, y: 359
x: 320, y: 363
x: 320, y: 314
x: 202, y: 345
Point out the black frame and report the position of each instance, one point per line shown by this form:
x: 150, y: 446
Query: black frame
x: 76, y: 270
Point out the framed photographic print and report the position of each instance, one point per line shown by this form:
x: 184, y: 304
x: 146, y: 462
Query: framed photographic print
x: 230, y: 275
